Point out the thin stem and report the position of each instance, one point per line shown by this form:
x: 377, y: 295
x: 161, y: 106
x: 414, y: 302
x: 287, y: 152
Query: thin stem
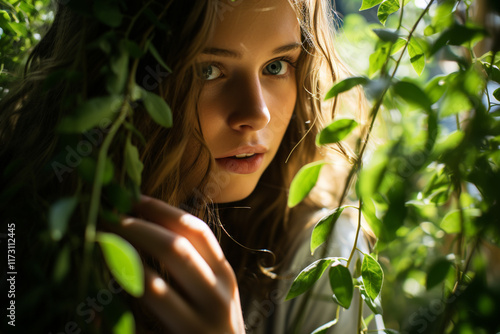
x: 360, y: 313
x: 135, y: 17
x: 95, y: 197
x: 357, y: 235
x: 461, y: 234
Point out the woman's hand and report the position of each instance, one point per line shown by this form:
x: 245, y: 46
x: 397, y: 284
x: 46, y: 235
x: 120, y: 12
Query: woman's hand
x: 207, y: 298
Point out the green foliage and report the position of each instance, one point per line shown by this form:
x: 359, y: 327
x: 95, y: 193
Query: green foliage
x: 303, y: 182
x: 126, y: 324
x: 323, y: 228
x: 21, y: 25
x: 124, y: 262
x: 373, y: 276
x: 342, y: 286
x: 308, y: 277
x: 430, y: 191
x: 90, y: 114
x: 336, y: 131
x: 345, y: 85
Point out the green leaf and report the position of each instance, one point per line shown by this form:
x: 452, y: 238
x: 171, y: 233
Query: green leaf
x: 119, y: 66
x: 59, y: 216
x: 342, y: 286
x: 157, y: 108
x: 417, y: 57
x: 345, y: 85
x: 90, y: 114
x: 451, y: 222
x: 378, y: 58
x: 458, y: 34
x: 123, y: 261
x: 324, y: 227
x: 369, y: 4
x: 335, y: 131
x: 303, y: 182
x: 442, y: 18
x: 323, y: 328
x: 437, y: 272
x: 373, y: 276
x: 387, y: 8
x: 119, y: 197
x: 398, y: 45
x: 108, y: 13
x: 412, y: 94
x: 125, y: 325
x: 62, y: 264
x: 496, y: 94
x: 493, y: 72
x: 454, y: 102
x: 87, y: 168
x: 307, y: 277
x: 436, y: 87
x: 374, y: 305
x: 387, y: 35
x: 449, y: 143
x: 157, y: 56
x: 133, y: 163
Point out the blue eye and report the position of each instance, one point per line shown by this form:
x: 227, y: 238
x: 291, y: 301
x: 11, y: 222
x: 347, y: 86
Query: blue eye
x: 211, y: 72
x: 277, y: 67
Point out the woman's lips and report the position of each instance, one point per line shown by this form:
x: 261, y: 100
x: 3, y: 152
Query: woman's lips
x: 241, y: 166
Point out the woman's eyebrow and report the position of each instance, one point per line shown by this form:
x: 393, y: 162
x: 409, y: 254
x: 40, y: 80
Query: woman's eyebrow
x: 235, y: 54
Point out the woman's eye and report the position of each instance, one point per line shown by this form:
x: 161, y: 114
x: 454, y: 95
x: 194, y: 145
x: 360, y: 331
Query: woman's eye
x: 211, y: 72
x: 278, y: 67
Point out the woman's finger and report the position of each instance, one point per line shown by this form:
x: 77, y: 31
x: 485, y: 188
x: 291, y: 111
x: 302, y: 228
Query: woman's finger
x: 182, y: 261
x: 186, y: 225
x: 175, y: 314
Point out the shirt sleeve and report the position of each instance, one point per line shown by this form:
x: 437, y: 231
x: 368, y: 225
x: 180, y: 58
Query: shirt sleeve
x: 275, y: 315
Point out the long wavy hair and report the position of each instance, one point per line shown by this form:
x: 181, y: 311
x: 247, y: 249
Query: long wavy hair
x: 30, y: 113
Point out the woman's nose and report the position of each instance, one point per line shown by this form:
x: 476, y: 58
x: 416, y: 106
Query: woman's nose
x: 250, y: 110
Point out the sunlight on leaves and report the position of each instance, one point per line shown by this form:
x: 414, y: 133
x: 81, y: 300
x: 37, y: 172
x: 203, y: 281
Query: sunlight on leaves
x: 157, y: 108
x: 336, y: 131
x: 324, y: 227
x: 417, y: 57
x: 345, y: 85
x: 303, y: 182
x: 125, y: 325
x: 307, y: 277
x: 123, y: 261
x: 387, y: 8
x: 322, y: 329
x: 341, y: 284
x: 373, y: 276
x: 369, y: 4
x: 133, y: 163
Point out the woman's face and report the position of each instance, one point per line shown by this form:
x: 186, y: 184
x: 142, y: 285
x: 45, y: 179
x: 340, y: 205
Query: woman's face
x: 249, y: 92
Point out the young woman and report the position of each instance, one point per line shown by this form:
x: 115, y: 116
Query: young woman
x: 246, y: 88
